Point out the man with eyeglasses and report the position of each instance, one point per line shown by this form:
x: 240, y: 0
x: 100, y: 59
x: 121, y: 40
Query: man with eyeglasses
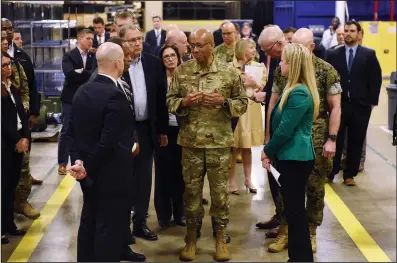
x: 272, y: 42
x: 148, y: 86
x: 225, y: 51
x: 205, y: 93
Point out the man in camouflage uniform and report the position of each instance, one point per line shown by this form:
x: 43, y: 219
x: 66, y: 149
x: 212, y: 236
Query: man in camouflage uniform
x: 206, y: 93
x: 325, y: 129
x: 21, y: 206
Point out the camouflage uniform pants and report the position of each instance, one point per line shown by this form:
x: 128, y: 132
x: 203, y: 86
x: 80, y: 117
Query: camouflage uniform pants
x: 216, y: 164
x: 315, y: 190
x: 24, y: 187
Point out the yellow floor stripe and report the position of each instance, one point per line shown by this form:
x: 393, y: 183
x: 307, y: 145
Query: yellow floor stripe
x: 367, y: 245
x: 37, y: 230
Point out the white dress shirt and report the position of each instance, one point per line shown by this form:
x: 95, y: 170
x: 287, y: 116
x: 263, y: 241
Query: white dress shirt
x: 10, y: 50
x: 329, y: 40
x: 8, y: 87
x: 115, y: 83
x: 137, y: 77
x: 83, y: 56
x: 157, y: 32
x: 101, y: 39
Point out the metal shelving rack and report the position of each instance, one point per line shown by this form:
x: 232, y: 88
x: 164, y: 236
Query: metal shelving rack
x: 48, y: 68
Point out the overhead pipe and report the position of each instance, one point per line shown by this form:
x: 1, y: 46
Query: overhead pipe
x: 340, y: 11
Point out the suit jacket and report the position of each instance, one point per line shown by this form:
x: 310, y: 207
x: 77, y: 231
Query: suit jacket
x: 156, y: 88
x: 34, y: 97
x: 291, y: 128
x: 95, y: 41
x: 9, y: 133
x: 362, y: 84
x: 104, y: 134
x: 152, y: 41
x: 72, y: 60
x: 218, y: 37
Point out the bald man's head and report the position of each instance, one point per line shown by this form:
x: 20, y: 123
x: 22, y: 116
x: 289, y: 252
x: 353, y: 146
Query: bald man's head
x: 305, y: 37
x: 229, y: 33
x: 202, y: 44
x: 110, y: 58
x: 178, y: 38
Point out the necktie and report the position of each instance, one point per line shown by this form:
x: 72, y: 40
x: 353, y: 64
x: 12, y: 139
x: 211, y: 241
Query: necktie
x: 350, y: 63
x: 128, y: 95
x: 158, y: 37
x: 99, y: 40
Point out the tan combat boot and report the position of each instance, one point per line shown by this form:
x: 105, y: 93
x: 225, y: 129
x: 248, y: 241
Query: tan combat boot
x: 222, y: 253
x: 27, y: 210
x: 312, y: 229
x: 281, y: 241
x: 189, y: 251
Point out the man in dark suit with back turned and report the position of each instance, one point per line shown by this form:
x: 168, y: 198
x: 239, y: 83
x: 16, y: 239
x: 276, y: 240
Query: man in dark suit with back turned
x: 155, y: 37
x: 148, y: 85
x: 106, y: 141
x: 361, y: 80
x: 77, y: 65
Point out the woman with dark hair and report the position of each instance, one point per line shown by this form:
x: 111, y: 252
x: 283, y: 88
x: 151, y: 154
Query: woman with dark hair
x: 169, y: 184
x: 14, y: 143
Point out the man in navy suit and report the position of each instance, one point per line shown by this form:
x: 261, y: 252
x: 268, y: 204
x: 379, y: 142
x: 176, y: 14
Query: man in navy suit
x: 361, y: 80
x: 77, y: 65
x: 106, y: 141
x: 155, y: 37
x: 101, y: 36
x: 148, y: 85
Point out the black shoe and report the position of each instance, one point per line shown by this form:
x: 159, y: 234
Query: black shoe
x: 144, y: 232
x: 272, y: 223
x: 228, y: 239
x: 180, y: 222
x: 17, y: 232
x: 132, y: 256
x: 4, y: 240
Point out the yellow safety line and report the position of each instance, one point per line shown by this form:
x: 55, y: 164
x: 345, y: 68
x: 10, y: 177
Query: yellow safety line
x: 37, y: 230
x: 367, y: 245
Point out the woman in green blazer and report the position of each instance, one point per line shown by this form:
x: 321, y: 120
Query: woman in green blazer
x: 291, y: 144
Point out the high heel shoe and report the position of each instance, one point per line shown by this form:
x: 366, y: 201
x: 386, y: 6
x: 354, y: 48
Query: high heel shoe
x: 234, y: 192
x: 251, y: 190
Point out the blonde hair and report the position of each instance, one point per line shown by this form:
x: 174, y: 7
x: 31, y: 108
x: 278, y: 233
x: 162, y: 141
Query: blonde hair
x: 301, y: 71
x: 242, y: 46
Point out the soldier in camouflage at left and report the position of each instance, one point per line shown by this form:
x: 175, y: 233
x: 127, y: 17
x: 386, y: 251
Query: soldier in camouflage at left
x: 325, y: 128
x: 206, y: 93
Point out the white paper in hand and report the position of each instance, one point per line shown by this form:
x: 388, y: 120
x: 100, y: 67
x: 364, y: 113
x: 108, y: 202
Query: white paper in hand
x: 275, y: 174
x: 255, y: 72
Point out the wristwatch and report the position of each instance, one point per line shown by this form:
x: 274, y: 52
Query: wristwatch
x: 224, y: 104
x: 332, y: 137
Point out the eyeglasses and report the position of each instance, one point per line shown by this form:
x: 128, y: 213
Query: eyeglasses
x: 170, y: 56
x: 228, y: 33
x: 134, y: 40
x: 266, y: 51
x: 6, y: 65
x: 199, y: 45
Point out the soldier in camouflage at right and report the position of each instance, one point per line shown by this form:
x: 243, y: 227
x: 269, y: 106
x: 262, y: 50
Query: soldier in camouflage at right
x: 325, y: 128
x: 206, y: 93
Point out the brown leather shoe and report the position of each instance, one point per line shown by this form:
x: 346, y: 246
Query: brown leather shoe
x: 62, y: 170
x: 349, y: 182
x: 36, y: 181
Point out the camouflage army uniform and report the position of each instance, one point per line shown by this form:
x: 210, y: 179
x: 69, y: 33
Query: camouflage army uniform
x: 226, y: 54
x: 206, y: 135
x: 328, y: 84
x: 24, y: 187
